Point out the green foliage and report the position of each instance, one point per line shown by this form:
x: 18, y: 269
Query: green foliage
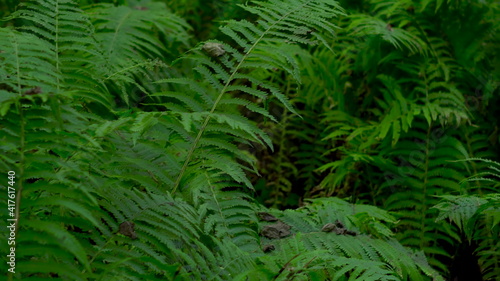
x: 264, y: 46
x: 478, y: 218
x: 134, y: 39
x: 134, y: 157
x: 311, y: 252
x: 404, y: 94
x: 203, y: 15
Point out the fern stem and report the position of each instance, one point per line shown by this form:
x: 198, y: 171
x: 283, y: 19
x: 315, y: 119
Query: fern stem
x: 214, y: 196
x: 280, y: 158
x: 285, y: 266
x: 426, y: 178
x: 128, y: 69
x: 101, y: 249
x: 223, y: 91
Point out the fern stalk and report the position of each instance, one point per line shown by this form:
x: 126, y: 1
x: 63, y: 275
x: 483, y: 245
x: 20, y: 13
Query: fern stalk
x: 424, y: 200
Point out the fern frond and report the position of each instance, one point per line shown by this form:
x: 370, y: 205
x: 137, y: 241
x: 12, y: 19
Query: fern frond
x: 70, y: 49
x: 478, y: 218
x: 281, y: 22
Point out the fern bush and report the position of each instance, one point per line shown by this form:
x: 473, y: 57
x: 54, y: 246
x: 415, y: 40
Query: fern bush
x: 359, y: 247
x: 157, y: 191
x: 403, y: 95
x: 135, y: 152
x: 477, y: 218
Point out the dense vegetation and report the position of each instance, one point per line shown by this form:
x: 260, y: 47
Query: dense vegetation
x: 259, y: 140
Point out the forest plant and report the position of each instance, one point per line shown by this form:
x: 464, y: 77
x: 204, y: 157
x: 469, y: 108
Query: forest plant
x: 131, y: 180
x: 93, y: 199
x: 405, y: 93
x: 334, y: 240
x: 478, y: 218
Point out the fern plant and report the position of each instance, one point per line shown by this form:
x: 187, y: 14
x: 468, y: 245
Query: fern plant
x: 131, y: 180
x: 52, y: 77
x: 404, y: 94
x: 478, y: 218
x: 134, y: 41
x: 334, y: 240
x: 264, y: 46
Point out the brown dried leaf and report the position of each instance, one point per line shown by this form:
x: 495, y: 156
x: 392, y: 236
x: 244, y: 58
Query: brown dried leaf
x: 127, y: 228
